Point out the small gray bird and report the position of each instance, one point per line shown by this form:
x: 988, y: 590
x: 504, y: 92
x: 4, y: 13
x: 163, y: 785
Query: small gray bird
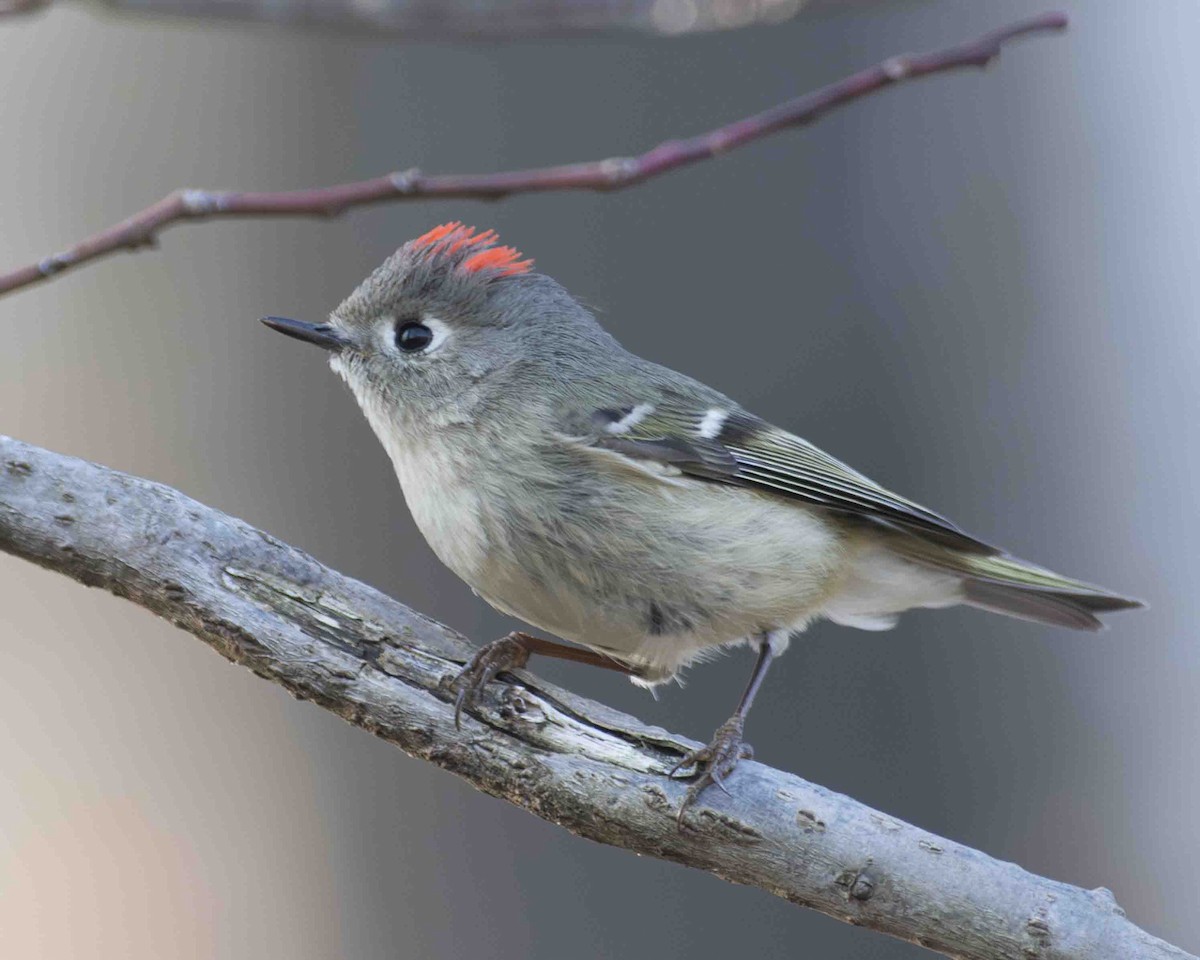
x: 624, y: 506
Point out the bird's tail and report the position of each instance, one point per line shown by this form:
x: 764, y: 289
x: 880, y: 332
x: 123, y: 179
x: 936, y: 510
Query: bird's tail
x: 1004, y: 584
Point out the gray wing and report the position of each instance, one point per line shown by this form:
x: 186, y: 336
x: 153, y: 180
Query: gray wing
x: 734, y: 447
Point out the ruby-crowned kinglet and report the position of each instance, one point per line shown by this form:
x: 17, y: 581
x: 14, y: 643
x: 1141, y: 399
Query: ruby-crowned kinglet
x: 622, y: 505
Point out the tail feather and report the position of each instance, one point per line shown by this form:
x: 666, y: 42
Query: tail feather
x: 1077, y: 611
x: 1004, y: 584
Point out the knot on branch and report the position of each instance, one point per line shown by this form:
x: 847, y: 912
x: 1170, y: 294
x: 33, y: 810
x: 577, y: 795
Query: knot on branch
x: 618, y: 171
x: 859, y: 885
x: 405, y: 182
x: 199, y: 203
x: 896, y: 68
x: 52, y: 264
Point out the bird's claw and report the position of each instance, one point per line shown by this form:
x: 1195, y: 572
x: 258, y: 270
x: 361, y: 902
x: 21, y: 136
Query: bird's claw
x: 713, y: 763
x: 507, y: 653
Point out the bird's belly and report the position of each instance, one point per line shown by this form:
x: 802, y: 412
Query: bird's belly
x: 663, y: 573
x: 650, y: 572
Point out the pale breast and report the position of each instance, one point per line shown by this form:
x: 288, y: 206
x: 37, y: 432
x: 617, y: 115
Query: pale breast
x: 436, y: 475
x: 445, y: 504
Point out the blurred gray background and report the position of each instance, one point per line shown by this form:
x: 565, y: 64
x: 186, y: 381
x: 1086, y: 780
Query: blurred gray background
x: 980, y: 289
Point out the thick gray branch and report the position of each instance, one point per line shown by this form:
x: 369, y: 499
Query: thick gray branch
x: 598, y: 773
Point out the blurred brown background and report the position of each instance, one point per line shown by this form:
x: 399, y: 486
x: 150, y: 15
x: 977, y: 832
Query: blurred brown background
x: 980, y: 289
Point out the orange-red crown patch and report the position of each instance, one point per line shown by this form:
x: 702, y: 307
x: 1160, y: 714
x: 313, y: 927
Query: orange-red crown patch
x: 480, y: 252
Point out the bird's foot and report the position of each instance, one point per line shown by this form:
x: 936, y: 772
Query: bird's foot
x: 712, y: 764
x: 507, y: 653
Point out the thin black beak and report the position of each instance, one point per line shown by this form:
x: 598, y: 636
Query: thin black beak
x: 320, y: 334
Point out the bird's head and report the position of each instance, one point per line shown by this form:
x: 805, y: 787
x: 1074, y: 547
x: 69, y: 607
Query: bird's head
x: 441, y: 316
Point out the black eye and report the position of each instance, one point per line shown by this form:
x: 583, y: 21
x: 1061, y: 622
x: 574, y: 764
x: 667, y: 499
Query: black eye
x: 412, y: 336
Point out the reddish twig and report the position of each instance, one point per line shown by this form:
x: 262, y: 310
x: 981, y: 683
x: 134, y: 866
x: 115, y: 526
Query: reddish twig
x: 613, y: 174
x: 10, y: 8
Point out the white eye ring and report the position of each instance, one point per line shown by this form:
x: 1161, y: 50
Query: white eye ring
x: 439, y: 329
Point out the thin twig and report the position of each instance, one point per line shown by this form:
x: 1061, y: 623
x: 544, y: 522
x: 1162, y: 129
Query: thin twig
x: 596, y: 772
x: 616, y: 173
x: 11, y: 8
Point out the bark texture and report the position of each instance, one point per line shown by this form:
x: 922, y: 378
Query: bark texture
x: 596, y: 772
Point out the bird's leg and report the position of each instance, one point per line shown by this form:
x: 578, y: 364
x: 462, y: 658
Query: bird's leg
x: 512, y: 653
x: 716, y: 761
